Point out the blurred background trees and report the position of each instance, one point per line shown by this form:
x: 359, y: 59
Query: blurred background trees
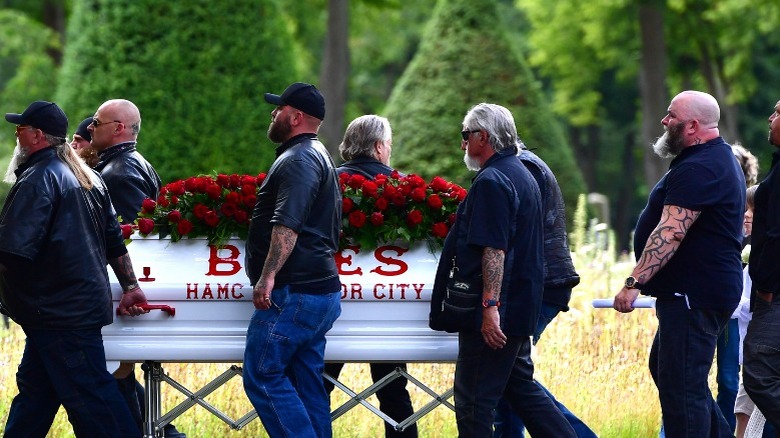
x: 588, y: 82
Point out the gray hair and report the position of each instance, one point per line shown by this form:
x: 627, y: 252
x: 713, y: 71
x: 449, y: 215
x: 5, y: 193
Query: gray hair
x: 361, y: 136
x: 83, y: 173
x: 497, y: 121
x: 747, y: 161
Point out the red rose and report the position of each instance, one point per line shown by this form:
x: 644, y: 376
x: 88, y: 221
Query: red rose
x: 127, y: 230
x: 248, y: 180
x: 381, y: 204
x: 163, y: 202
x: 148, y: 205
x: 399, y: 200
x: 390, y: 192
x: 248, y: 189
x: 380, y: 180
x: 418, y: 194
x: 356, y: 181
x: 415, y: 180
x: 377, y: 219
x: 174, y: 200
x: 370, y: 189
x: 260, y: 179
x: 214, y: 191
x: 233, y: 197
x: 440, y: 229
x: 438, y: 184
x: 211, y: 219
x: 357, y: 219
x: 347, y: 206
x: 200, y: 210
x: 174, y: 216
x: 461, y: 194
x: 394, y: 174
x: 434, y: 201
x: 145, y: 226
x: 451, y: 218
x: 228, y: 209
x: 250, y: 200
x: 184, y: 227
x: 202, y: 183
x: 191, y: 184
x: 414, y: 218
x: 223, y: 180
x: 241, y: 216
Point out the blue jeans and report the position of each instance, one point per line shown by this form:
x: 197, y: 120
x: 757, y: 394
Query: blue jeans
x: 728, y: 371
x: 284, y: 360
x: 680, y: 360
x: 509, y: 425
x: 483, y: 376
x: 761, y: 361
x: 67, y: 367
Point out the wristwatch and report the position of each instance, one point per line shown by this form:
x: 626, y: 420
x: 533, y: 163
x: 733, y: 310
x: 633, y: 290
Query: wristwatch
x: 631, y: 283
x: 490, y: 303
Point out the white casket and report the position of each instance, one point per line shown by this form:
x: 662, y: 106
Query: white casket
x: 385, y: 299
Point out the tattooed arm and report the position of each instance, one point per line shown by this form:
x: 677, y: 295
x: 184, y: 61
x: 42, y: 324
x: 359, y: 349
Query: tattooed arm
x: 492, y: 277
x: 132, y: 295
x: 660, y: 248
x: 282, y: 243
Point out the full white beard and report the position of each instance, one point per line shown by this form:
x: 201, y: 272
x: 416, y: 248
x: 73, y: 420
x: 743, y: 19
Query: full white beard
x: 19, y: 158
x: 471, y: 163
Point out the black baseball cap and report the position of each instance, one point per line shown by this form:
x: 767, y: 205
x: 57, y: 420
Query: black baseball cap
x: 43, y: 115
x: 302, y: 96
x: 82, y: 129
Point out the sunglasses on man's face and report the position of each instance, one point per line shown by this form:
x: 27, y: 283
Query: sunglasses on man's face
x: 97, y: 123
x: 465, y: 134
x: 20, y: 128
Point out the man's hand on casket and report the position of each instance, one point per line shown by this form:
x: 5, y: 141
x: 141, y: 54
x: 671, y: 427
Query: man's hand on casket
x: 131, y: 299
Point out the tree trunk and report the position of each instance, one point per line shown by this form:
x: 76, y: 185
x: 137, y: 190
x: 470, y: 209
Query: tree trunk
x: 652, y: 85
x: 54, y: 17
x: 334, y: 74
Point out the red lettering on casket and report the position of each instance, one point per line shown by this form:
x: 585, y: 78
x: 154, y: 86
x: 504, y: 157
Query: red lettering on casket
x: 225, y: 291
x: 342, y: 260
x: 232, y: 265
x: 355, y: 291
x: 192, y: 289
x: 379, y: 254
x: 418, y: 288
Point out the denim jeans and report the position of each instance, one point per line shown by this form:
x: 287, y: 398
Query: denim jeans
x: 509, y: 425
x: 394, y: 399
x: 483, y: 376
x: 67, y: 367
x: 284, y: 360
x: 680, y: 360
x: 761, y: 360
x: 728, y: 371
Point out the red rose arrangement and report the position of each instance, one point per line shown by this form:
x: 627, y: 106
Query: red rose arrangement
x: 392, y: 208
x: 387, y: 209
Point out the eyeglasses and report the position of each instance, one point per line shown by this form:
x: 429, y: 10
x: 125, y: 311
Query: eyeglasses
x: 20, y: 128
x: 97, y: 123
x: 465, y: 134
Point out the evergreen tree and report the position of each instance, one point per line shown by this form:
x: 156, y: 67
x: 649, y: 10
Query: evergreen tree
x: 197, y: 70
x: 465, y: 58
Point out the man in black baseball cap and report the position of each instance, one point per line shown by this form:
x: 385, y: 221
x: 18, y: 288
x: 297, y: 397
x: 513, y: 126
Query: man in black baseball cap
x: 302, y: 96
x: 43, y: 115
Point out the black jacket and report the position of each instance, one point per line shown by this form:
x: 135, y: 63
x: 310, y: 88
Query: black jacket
x: 55, y: 238
x: 559, y: 273
x: 129, y: 177
x: 764, y: 265
x: 366, y: 166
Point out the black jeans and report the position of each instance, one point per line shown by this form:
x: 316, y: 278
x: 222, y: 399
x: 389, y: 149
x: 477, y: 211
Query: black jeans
x: 680, y: 361
x: 484, y: 375
x: 394, y: 399
x: 761, y: 360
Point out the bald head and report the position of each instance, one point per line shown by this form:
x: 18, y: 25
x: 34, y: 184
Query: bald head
x: 118, y: 121
x: 124, y: 111
x: 697, y: 105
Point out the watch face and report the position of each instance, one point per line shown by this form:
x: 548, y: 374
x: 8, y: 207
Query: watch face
x: 630, y: 282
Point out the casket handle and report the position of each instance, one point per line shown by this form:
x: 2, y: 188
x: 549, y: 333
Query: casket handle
x: 164, y: 307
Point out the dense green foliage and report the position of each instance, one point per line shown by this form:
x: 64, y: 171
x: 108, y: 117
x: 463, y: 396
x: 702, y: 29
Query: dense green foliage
x: 197, y: 71
x: 465, y: 58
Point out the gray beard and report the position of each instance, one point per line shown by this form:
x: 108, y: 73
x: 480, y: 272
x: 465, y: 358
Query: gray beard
x: 19, y: 158
x: 471, y: 163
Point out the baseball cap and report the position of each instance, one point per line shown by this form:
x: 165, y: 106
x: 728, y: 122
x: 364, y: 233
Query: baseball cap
x: 43, y: 115
x: 82, y: 129
x: 302, y: 96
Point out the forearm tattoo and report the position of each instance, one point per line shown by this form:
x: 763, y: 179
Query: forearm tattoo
x: 493, y: 271
x: 123, y: 269
x: 282, y: 243
x: 664, y: 240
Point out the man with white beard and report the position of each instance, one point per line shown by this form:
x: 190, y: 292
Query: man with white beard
x: 687, y: 244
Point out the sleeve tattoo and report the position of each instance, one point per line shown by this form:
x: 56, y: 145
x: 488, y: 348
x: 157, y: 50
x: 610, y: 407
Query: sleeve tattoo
x: 664, y: 240
x: 282, y: 244
x: 123, y: 269
x: 492, y: 272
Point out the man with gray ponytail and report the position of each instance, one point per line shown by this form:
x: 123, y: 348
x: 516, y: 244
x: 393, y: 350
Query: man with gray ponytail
x: 58, y: 230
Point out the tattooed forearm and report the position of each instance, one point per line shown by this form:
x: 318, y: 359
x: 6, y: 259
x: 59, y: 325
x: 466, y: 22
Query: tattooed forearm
x: 123, y: 269
x: 492, y: 272
x: 282, y: 243
x: 664, y: 241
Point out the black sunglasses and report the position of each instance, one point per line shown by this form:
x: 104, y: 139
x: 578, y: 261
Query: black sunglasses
x: 465, y: 134
x: 96, y: 122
